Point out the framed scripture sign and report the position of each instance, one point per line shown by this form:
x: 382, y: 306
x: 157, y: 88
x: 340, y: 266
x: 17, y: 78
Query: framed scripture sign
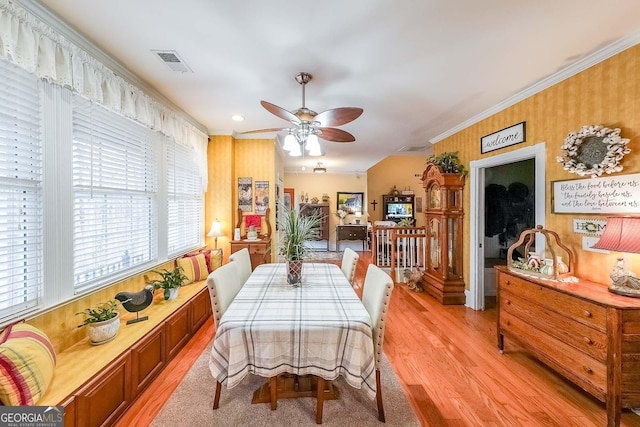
x: 503, y: 138
x: 608, y: 195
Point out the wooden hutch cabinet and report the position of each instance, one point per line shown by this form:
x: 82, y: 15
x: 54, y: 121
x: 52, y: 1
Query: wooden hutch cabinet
x: 444, y: 214
x: 321, y: 210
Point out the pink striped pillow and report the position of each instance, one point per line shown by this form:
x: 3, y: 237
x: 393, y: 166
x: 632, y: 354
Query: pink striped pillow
x: 194, y: 267
x: 27, y: 360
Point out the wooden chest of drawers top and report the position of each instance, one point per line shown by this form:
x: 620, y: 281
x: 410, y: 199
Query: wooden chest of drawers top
x: 595, y: 293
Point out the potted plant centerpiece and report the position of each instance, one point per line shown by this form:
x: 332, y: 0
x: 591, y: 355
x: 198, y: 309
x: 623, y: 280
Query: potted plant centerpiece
x: 102, y: 321
x: 448, y: 163
x: 296, y: 230
x: 170, y: 283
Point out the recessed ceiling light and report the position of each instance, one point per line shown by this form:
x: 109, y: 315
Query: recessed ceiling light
x: 237, y: 118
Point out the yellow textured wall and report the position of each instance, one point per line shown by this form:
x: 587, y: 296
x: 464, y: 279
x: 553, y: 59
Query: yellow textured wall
x: 256, y: 158
x: 315, y: 185
x: 61, y: 323
x: 605, y: 94
x: 218, y: 198
x: 400, y: 171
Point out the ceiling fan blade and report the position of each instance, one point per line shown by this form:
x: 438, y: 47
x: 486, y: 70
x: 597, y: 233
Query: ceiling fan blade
x: 279, y: 111
x: 338, y: 116
x: 336, y: 135
x: 263, y: 130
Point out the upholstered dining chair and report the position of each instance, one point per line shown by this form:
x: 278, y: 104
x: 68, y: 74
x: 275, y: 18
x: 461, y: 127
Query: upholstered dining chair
x: 376, y: 296
x: 243, y: 260
x: 224, y: 284
x: 349, y: 262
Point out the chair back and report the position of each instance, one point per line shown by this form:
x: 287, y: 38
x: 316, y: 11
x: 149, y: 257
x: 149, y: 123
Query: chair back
x: 242, y: 259
x: 349, y: 262
x: 223, y: 283
x: 375, y: 298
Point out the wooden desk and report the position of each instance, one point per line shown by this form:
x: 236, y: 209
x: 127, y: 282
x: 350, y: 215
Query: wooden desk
x: 351, y: 232
x: 587, y: 334
x: 259, y: 250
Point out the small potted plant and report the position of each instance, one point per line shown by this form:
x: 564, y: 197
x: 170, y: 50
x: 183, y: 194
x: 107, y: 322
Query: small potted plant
x: 170, y: 283
x: 296, y: 230
x: 102, y: 321
x: 448, y: 163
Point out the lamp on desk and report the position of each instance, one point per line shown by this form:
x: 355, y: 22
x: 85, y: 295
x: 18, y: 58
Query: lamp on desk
x: 215, y: 231
x: 622, y: 234
x: 358, y: 216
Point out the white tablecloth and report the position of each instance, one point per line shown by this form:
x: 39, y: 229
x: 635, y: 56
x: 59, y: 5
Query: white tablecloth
x: 319, y: 328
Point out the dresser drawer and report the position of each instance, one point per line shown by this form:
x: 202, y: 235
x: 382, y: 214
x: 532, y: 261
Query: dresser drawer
x: 578, y: 335
x: 574, y: 308
x: 581, y: 369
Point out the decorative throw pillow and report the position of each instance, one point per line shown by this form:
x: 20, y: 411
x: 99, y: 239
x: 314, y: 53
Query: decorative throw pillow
x: 27, y: 360
x: 212, y: 256
x: 195, y: 268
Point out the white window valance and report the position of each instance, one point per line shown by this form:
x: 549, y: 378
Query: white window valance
x: 31, y: 44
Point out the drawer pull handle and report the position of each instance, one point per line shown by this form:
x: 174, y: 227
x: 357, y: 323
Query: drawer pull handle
x: 588, y: 340
x: 508, y: 302
x: 588, y: 313
x: 588, y: 370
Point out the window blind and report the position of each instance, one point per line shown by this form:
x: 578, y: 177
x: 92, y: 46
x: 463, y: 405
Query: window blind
x: 184, y: 199
x: 115, y: 185
x: 21, y: 233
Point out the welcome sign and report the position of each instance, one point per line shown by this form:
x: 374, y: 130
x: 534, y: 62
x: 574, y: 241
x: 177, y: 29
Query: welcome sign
x: 503, y: 138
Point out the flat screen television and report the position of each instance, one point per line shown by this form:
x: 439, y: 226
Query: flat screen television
x: 399, y: 210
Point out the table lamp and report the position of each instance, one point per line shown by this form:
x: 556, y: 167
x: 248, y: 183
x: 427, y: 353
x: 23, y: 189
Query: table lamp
x: 215, y: 231
x: 622, y: 234
x: 358, y: 216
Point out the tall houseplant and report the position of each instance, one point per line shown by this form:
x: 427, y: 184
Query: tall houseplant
x: 296, y: 230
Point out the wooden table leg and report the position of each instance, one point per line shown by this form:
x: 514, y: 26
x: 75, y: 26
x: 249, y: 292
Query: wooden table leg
x: 320, y: 400
x: 273, y: 389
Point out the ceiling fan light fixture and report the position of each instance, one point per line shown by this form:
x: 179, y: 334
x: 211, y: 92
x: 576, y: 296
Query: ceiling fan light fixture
x: 312, y: 145
x: 320, y: 168
x: 290, y: 143
x: 315, y: 151
x: 295, y: 151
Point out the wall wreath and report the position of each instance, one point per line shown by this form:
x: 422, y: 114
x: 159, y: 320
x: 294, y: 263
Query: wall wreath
x: 593, y: 150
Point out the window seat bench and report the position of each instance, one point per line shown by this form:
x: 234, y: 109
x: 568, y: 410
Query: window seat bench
x: 96, y: 384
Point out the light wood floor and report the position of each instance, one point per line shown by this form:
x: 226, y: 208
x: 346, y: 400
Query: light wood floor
x: 447, y: 360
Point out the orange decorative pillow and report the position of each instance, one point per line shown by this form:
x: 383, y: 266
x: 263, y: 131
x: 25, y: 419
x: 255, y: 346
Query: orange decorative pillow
x: 195, y: 268
x: 27, y: 360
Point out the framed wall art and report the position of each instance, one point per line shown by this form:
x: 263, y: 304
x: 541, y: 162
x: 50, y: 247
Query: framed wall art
x: 245, y: 194
x: 609, y: 195
x: 350, y: 202
x: 262, y: 197
x: 504, y: 138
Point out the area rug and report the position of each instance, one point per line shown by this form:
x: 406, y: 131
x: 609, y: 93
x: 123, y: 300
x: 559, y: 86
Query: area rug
x: 191, y: 402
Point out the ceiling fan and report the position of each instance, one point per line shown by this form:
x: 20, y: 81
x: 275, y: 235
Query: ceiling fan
x: 307, y: 122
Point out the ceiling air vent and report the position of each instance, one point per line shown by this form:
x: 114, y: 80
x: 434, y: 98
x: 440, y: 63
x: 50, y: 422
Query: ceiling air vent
x: 412, y: 148
x: 172, y: 60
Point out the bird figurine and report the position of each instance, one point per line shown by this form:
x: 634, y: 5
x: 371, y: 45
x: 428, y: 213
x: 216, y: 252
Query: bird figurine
x: 134, y: 302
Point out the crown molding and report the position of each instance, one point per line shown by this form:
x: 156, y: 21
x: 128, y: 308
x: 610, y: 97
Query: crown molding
x: 569, y: 71
x: 74, y: 36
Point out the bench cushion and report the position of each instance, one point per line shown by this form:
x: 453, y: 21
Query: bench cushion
x: 27, y: 360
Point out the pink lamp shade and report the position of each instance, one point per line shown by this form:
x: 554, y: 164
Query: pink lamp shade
x: 622, y: 234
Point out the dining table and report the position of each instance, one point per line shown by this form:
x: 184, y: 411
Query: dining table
x: 320, y: 328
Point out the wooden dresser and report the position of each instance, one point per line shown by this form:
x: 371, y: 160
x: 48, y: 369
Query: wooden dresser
x: 259, y: 250
x: 351, y: 232
x: 584, y: 332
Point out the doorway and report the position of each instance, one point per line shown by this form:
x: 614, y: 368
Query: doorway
x: 482, y: 173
